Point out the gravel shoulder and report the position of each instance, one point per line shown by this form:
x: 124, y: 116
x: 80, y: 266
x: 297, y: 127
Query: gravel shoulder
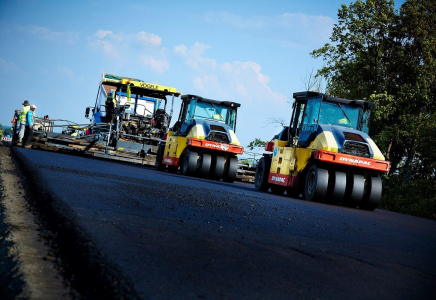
x: 27, y: 265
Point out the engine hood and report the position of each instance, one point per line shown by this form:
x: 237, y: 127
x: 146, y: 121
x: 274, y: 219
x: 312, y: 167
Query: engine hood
x: 214, y: 131
x: 345, y: 140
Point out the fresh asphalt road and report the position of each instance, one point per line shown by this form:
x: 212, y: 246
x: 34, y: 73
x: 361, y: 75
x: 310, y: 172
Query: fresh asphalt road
x: 176, y: 237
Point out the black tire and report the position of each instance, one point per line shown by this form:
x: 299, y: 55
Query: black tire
x: 262, y: 174
x: 159, y: 165
x: 316, y: 184
x: 218, y: 166
x: 189, y: 163
x: 355, y: 189
x: 293, y: 192
x: 337, y: 187
x: 277, y: 189
x: 373, y: 193
x: 231, y: 169
x: 205, y: 162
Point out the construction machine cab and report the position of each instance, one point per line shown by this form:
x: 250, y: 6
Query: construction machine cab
x: 133, y: 109
x: 196, y: 109
x: 312, y: 109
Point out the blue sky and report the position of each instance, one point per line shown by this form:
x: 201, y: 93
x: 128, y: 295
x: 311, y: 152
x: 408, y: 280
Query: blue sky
x: 53, y: 53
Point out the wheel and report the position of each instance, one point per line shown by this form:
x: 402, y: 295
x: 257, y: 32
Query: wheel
x: 262, y: 174
x: 189, y: 163
x: 354, y: 191
x: 373, y: 192
x: 277, y: 189
x: 218, y: 166
x: 293, y: 192
x: 205, y: 162
x: 337, y: 187
x: 315, y: 187
x: 159, y: 165
x: 231, y: 169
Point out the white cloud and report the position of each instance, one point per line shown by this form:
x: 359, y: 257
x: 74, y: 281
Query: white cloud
x: 146, y: 39
x: 207, y: 83
x: 6, y: 66
x: 241, y: 89
x: 194, y: 56
x: 286, y: 28
x: 181, y: 49
x: 237, y: 81
x: 142, y: 38
x: 106, y: 46
x: 102, y: 33
x: 64, y: 71
x: 316, y: 27
x: 158, y: 65
x: 132, y: 48
x: 45, y: 34
x: 235, y: 20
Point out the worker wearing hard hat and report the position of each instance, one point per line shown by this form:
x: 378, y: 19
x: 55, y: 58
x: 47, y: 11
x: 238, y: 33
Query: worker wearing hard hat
x: 22, y: 120
x: 28, y: 134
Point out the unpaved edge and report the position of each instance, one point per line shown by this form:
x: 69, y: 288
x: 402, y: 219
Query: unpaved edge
x: 83, y: 264
x: 34, y: 274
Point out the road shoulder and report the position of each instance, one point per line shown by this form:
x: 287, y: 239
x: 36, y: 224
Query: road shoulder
x: 28, y: 264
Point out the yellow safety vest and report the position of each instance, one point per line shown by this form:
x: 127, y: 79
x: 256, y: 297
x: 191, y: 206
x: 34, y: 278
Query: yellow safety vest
x: 23, y: 114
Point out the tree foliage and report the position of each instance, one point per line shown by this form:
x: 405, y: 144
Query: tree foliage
x: 257, y: 143
x: 389, y: 57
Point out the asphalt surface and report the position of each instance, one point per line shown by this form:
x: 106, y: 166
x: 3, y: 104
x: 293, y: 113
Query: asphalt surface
x: 134, y: 232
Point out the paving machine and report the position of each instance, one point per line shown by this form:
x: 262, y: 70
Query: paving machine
x: 131, y: 114
x: 203, y: 141
x: 325, y: 154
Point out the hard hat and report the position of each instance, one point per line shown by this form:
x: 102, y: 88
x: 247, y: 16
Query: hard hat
x: 33, y: 106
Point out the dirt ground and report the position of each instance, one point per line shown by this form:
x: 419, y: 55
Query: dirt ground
x: 28, y: 270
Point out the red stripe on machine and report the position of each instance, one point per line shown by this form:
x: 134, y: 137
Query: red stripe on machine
x: 215, y: 146
x: 279, y: 179
x: 350, y: 160
x: 171, y: 161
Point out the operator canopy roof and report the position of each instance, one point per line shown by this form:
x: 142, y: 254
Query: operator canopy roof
x: 309, y: 94
x: 225, y: 103
x: 137, y: 87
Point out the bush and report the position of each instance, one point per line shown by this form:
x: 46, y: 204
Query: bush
x: 418, y: 198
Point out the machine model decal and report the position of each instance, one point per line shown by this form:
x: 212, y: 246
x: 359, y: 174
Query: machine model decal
x: 148, y: 86
x: 355, y: 161
x: 278, y: 179
x: 350, y: 160
x: 223, y: 147
x: 215, y: 146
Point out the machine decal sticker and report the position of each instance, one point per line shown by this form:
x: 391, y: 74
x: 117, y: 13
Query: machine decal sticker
x: 355, y: 161
x: 278, y: 179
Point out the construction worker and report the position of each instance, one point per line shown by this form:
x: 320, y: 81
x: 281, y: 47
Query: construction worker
x: 22, y: 120
x: 28, y: 134
x: 74, y: 133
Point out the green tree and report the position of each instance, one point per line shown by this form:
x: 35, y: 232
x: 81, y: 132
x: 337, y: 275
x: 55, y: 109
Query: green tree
x: 257, y: 143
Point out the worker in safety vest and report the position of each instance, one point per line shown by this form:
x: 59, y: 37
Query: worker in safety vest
x: 74, y: 133
x: 22, y: 120
x: 30, y: 121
